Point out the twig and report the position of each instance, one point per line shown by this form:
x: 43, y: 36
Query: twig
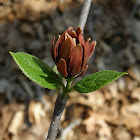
x: 84, y: 14
x: 58, y: 110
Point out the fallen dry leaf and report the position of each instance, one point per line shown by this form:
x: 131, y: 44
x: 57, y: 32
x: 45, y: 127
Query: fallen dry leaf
x: 134, y: 108
x: 17, y: 122
x: 136, y: 93
x: 93, y: 122
x: 36, y: 112
x: 122, y: 134
x: 90, y: 123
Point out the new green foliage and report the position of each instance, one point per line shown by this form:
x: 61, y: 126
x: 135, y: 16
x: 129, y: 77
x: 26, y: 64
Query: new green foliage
x: 97, y: 80
x: 36, y: 70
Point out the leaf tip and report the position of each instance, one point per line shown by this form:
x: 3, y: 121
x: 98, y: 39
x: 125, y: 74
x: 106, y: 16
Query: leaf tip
x: 124, y: 73
x: 11, y: 53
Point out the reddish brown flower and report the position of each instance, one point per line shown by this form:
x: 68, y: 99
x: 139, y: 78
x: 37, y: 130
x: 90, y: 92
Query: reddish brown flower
x: 71, y: 52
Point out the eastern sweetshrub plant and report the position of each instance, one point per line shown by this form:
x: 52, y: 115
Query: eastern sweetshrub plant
x: 70, y: 54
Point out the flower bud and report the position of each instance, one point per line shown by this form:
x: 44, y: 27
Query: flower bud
x: 71, y: 52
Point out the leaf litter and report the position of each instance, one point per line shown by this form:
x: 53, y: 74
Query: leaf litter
x: 111, y: 113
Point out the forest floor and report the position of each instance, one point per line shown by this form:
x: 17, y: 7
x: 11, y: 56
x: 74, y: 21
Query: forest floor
x: 111, y: 113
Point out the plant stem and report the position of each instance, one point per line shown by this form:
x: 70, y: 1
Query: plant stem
x: 84, y: 14
x: 69, y: 84
x: 62, y: 98
x: 58, y: 110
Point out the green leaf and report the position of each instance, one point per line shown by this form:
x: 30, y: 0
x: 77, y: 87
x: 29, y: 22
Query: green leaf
x: 36, y: 70
x: 97, y: 80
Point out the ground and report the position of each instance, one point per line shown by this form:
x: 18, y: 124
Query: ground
x: 111, y: 113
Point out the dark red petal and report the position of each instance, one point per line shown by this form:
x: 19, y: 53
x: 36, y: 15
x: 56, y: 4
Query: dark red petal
x: 62, y: 38
x: 60, y: 41
x: 62, y: 67
x: 52, y: 49
x: 75, y: 60
x: 66, y: 35
x: 74, y: 41
x: 81, y: 39
x: 56, y: 49
x: 86, y: 52
x: 79, y: 30
x: 91, y: 48
x: 69, y: 29
x: 83, y: 72
x: 73, y: 34
x: 65, y: 49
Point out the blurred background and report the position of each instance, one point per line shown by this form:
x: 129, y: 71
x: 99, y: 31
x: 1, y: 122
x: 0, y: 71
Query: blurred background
x: 111, y: 113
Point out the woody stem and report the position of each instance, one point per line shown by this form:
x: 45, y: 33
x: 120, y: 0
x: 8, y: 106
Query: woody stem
x: 58, y: 110
x: 84, y: 14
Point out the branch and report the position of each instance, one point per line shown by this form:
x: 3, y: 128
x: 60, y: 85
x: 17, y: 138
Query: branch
x: 84, y: 14
x: 58, y: 110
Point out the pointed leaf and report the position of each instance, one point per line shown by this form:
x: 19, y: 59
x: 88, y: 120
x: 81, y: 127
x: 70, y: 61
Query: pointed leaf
x: 97, y: 80
x: 36, y: 70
